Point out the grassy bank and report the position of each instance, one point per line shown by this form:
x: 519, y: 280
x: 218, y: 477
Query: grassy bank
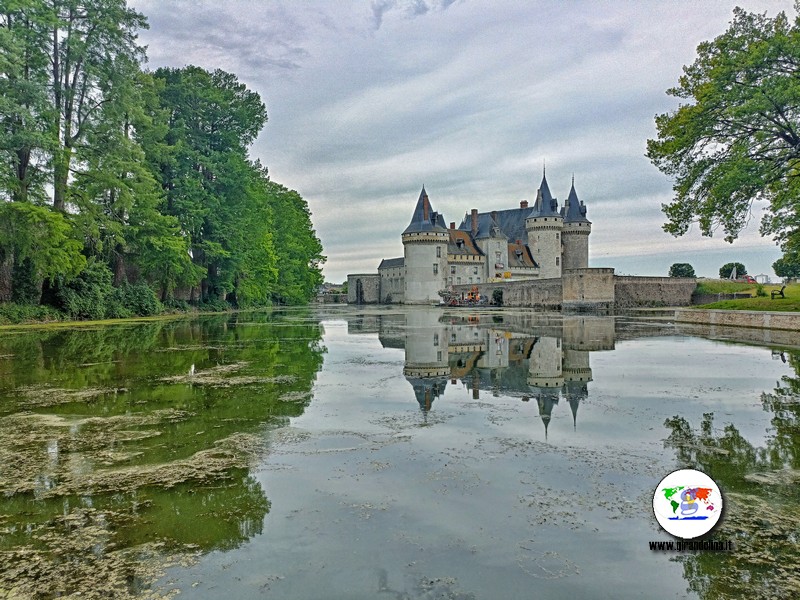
x: 17, y: 315
x: 764, y: 303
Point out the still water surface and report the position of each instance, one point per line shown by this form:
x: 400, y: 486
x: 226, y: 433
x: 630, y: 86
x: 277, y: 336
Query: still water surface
x: 390, y: 453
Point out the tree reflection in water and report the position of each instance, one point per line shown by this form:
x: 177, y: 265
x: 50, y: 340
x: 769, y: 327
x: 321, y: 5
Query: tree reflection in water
x: 128, y: 448
x: 762, y: 499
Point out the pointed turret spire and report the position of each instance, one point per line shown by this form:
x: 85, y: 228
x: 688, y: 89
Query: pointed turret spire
x: 574, y: 209
x: 424, y: 217
x: 546, y: 205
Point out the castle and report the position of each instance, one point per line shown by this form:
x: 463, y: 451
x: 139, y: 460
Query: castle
x: 496, y: 247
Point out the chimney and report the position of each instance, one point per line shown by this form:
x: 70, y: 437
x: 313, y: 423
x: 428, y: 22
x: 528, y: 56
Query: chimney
x: 452, y: 224
x: 474, y: 221
x: 425, y: 208
x: 523, y: 204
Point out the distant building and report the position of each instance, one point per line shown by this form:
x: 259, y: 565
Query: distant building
x: 521, y: 243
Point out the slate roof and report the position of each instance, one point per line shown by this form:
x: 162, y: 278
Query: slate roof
x: 545, y: 205
x: 574, y: 210
x: 389, y: 263
x: 511, y: 223
x: 424, y: 217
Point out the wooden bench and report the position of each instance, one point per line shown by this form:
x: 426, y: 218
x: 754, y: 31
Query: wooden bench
x: 776, y: 293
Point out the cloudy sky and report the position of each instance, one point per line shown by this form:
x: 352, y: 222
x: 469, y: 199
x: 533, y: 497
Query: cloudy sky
x: 370, y: 99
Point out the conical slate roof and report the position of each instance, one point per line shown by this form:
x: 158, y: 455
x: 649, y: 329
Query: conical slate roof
x: 545, y: 205
x: 424, y: 217
x: 574, y: 210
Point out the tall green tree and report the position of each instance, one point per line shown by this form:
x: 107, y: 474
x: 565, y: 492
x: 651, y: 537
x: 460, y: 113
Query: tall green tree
x: 204, y: 169
x: 299, y: 250
x: 91, y: 45
x: 681, y: 270
x: 24, y: 100
x: 788, y: 266
x: 735, y: 138
x: 726, y: 270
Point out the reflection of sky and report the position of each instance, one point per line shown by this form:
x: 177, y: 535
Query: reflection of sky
x: 376, y: 493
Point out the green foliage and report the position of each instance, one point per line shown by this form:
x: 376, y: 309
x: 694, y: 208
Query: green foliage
x: 43, y: 237
x: 681, y: 270
x: 788, y: 266
x: 726, y: 270
x: 497, y: 297
x: 137, y: 299
x: 12, y: 314
x: 760, y: 291
x: 790, y: 304
x: 149, y: 174
x: 724, y: 286
x: 85, y: 296
x: 734, y: 139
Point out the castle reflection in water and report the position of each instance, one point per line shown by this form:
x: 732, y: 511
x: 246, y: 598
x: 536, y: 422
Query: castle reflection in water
x: 538, y: 357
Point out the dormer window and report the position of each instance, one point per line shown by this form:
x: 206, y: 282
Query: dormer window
x: 459, y: 243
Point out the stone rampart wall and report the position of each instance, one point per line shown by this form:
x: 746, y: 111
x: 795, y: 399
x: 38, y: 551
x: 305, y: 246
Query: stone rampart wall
x: 632, y: 291
x: 588, y: 289
x: 741, y: 318
x: 542, y: 293
x: 370, y: 284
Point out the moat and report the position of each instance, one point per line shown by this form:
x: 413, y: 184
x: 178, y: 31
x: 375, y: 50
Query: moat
x: 391, y: 452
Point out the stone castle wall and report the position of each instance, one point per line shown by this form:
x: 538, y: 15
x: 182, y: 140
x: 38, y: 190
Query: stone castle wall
x: 542, y: 293
x: 631, y: 291
x: 370, y: 286
x: 588, y: 289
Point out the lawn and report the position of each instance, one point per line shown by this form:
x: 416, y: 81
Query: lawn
x: 790, y: 303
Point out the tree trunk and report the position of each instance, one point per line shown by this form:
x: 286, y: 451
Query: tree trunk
x: 6, y: 274
x: 61, y: 177
x: 23, y: 161
x: 120, y: 275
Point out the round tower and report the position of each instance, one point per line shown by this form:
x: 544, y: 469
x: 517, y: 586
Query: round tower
x: 544, y: 225
x: 545, y: 375
x: 575, y: 234
x: 425, y: 254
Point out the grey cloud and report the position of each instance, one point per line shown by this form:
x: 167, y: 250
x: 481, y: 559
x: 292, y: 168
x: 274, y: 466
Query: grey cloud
x: 469, y: 103
x: 379, y: 8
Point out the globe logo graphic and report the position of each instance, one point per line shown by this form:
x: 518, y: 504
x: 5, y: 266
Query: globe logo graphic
x: 687, y: 503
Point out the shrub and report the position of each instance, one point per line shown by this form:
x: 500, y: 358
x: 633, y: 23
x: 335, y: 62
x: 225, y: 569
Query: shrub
x: 136, y: 299
x: 760, y: 290
x: 12, y: 313
x: 214, y: 305
x: 85, y: 296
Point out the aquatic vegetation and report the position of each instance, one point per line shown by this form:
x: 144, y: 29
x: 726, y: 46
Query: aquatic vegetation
x: 114, y: 469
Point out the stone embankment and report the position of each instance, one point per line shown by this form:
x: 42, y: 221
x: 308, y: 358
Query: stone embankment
x: 788, y: 321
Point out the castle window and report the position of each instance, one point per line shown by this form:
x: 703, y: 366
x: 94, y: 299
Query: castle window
x: 450, y: 280
x: 479, y: 279
x: 474, y: 270
x: 458, y: 280
x: 556, y: 260
x: 435, y: 339
x: 439, y: 356
x: 438, y: 252
x: 470, y: 279
x: 435, y: 268
x: 452, y: 269
x: 557, y: 237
